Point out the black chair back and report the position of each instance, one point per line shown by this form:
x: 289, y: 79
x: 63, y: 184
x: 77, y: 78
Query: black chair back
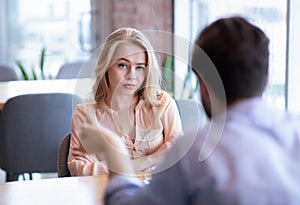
x: 7, y: 73
x: 63, y: 153
x: 32, y: 127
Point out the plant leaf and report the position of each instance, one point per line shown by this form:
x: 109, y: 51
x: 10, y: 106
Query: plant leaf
x: 169, y: 73
x: 187, y: 78
x: 33, y: 73
x: 42, y: 59
x: 22, y: 69
x: 50, y: 77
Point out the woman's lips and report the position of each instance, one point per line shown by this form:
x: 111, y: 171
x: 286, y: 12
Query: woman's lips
x: 129, y: 85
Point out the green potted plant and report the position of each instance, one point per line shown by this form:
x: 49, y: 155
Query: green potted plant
x: 33, y: 75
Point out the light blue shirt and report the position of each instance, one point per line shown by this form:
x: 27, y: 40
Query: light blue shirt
x: 256, y: 160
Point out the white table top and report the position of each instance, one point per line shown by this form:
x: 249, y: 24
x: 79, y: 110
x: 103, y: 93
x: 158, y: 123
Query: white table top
x: 69, y: 190
x: 80, y: 87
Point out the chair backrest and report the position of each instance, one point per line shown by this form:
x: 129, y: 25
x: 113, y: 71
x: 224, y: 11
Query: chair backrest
x: 7, y: 73
x: 32, y: 127
x: 62, y: 157
x: 74, y: 70
x: 191, y: 113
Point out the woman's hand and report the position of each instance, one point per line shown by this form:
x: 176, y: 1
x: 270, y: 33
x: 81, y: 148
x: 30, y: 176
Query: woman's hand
x: 88, y: 115
x: 91, y: 138
x: 99, y: 139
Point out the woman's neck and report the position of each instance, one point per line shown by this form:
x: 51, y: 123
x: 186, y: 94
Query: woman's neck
x: 119, y: 103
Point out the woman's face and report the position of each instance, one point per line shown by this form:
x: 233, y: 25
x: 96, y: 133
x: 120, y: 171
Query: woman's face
x: 128, y: 69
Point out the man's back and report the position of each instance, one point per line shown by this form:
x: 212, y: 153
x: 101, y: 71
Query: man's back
x: 256, y: 160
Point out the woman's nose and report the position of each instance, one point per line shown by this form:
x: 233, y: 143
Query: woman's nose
x: 131, y: 74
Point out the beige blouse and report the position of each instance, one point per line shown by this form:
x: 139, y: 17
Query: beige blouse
x: 156, y: 128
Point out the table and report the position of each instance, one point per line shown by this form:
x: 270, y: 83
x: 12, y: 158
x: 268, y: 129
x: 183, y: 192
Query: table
x: 62, y: 191
x: 87, y: 190
x: 81, y: 87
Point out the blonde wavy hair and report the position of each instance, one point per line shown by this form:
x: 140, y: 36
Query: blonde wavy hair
x: 150, y: 88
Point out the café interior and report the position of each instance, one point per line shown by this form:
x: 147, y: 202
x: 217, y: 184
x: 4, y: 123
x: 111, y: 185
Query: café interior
x: 49, y: 47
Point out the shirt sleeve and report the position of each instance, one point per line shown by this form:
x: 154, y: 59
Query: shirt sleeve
x: 165, y: 188
x: 81, y: 163
x: 171, y: 121
x: 121, y: 189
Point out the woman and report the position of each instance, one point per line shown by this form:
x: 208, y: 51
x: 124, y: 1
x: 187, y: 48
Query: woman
x: 128, y: 101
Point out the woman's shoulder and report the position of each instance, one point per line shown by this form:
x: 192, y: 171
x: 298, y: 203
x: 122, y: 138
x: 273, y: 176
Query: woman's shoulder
x: 165, y: 99
x: 164, y: 95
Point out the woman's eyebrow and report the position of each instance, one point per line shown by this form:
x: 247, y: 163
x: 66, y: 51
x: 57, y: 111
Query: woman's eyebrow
x: 125, y: 59
x: 144, y: 64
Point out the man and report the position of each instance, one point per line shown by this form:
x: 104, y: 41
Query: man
x: 248, y: 153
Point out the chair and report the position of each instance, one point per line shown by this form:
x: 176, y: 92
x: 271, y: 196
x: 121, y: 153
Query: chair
x: 7, y: 73
x: 31, y: 129
x: 62, y: 157
x: 74, y: 70
x: 191, y: 113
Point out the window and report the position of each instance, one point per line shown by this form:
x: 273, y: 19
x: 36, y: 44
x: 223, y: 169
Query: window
x: 27, y: 26
x: 271, y: 16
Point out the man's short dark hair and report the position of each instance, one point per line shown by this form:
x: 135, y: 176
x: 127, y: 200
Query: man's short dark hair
x: 239, y: 51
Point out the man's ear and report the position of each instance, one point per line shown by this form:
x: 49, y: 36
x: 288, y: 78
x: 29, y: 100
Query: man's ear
x: 203, y: 88
x: 267, y: 83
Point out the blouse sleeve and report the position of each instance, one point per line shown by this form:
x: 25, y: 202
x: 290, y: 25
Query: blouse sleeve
x: 172, y: 126
x: 172, y: 129
x: 80, y: 163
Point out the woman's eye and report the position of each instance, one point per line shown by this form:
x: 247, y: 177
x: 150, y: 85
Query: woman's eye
x: 141, y: 68
x: 123, y: 65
